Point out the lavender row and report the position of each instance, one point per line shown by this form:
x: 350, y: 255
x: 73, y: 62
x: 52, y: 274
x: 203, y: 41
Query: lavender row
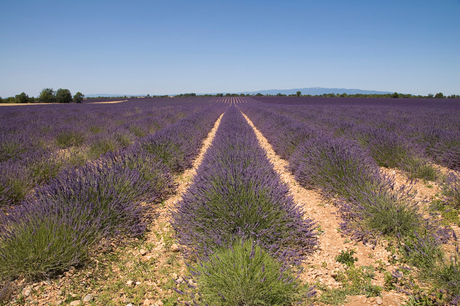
x: 408, y: 130
x: 58, y: 225
x: 22, y: 172
x: 238, y: 205
x: 237, y: 194
x: 340, y: 168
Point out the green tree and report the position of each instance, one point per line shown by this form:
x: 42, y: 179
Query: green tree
x: 63, y: 95
x: 78, y: 97
x: 395, y: 95
x: 298, y: 93
x: 439, y: 95
x: 47, y: 96
x: 21, y: 98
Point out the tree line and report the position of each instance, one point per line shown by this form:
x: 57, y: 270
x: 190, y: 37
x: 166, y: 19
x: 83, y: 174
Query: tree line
x: 47, y: 95
x: 439, y: 95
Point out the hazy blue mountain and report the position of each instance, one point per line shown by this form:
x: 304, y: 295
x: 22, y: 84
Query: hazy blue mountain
x: 316, y: 91
x: 103, y: 95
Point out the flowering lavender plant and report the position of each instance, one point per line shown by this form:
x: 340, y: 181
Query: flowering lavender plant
x: 451, y: 189
x: 245, y: 274
x: 41, y: 239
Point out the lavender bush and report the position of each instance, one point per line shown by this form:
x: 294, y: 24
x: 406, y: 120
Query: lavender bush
x: 341, y: 169
x: 393, y: 151
x: 12, y: 146
x: 451, y: 190
x: 15, y: 183
x: 245, y: 274
x: 69, y: 136
x: 41, y: 240
x: 337, y: 166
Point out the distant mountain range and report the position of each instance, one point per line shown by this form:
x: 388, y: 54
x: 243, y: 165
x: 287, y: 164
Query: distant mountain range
x: 305, y: 91
x: 317, y: 91
x: 105, y: 95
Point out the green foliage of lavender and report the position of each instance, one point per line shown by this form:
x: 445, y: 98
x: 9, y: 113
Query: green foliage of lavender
x: 69, y: 137
x: 44, y: 168
x: 451, y: 190
x: 102, y: 145
x: 420, y: 168
x: 39, y: 241
x: 448, y: 278
x: 338, y: 167
x: 390, y: 213
x: 424, y: 252
x: 245, y: 274
x: 390, y: 150
x: 15, y: 183
x: 12, y: 146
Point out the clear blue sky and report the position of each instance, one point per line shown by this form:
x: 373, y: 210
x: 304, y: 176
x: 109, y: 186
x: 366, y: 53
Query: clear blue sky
x: 204, y: 46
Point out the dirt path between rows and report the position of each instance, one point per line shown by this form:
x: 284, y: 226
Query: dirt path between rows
x: 321, y: 265
x: 161, y: 227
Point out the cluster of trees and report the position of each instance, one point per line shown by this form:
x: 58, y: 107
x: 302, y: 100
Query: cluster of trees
x: 192, y: 94
x: 47, y: 95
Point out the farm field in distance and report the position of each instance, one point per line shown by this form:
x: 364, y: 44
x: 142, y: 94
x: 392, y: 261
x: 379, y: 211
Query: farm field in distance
x: 231, y: 201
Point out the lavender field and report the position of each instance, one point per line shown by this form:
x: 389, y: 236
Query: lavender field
x: 79, y: 182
